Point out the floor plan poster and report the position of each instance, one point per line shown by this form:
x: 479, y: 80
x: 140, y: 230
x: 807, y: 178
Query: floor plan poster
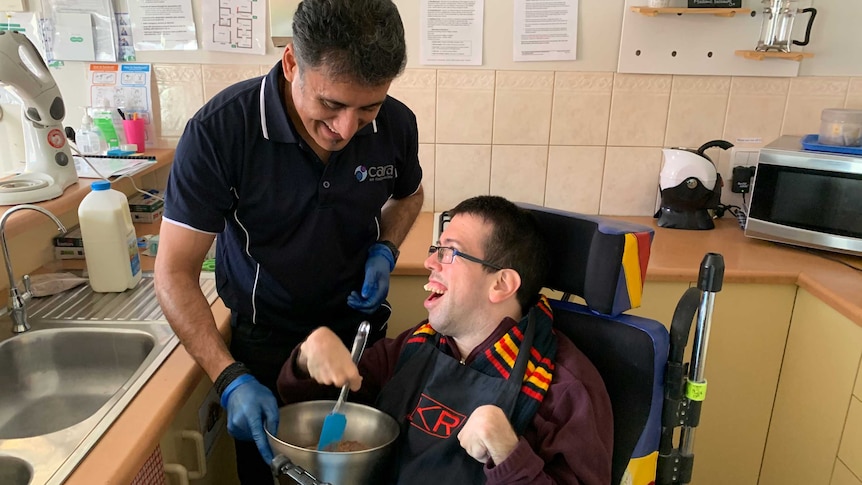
x: 123, y: 87
x: 234, y: 26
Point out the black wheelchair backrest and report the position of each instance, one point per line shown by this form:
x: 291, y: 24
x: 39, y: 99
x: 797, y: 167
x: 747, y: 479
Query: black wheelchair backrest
x: 604, y: 262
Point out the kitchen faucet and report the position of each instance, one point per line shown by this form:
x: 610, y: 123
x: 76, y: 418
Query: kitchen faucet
x: 17, y: 301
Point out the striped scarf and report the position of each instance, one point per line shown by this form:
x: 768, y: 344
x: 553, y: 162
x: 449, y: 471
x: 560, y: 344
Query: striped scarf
x: 499, y: 359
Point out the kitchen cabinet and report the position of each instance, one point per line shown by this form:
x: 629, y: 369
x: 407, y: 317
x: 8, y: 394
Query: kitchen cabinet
x: 814, y: 394
x: 850, y: 451
x: 746, y: 346
x: 197, y: 436
x: 406, y: 294
x: 843, y: 476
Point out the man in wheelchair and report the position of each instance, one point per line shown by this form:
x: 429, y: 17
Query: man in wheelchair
x: 473, y: 405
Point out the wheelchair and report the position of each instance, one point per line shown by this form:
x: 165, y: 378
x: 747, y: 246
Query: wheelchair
x: 656, y: 397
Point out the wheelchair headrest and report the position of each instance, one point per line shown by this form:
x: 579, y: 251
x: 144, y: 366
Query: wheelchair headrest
x: 602, y: 260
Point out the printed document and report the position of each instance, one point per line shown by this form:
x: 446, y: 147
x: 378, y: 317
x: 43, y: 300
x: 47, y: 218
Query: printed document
x: 545, y: 30
x: 451, y: 32
x: 237, y: 26
x: 162, y: 25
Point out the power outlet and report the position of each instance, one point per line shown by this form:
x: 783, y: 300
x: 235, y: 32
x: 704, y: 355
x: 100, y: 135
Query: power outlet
x: 743, y: 162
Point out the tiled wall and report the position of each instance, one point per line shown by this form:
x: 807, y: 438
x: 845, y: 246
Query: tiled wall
x: 581, y: 141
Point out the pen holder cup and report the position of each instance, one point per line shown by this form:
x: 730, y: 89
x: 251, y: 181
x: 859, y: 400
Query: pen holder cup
x: 136, y: 133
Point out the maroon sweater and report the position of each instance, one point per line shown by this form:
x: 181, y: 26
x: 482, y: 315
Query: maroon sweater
x: 570, y: 440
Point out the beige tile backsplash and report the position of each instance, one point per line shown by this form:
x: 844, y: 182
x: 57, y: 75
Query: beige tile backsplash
x: 518, y: 172
x: 522, y: 107
x: 581, y: 108
x: 698, y: 105
x: 180, y: 95
x: 582, y: 141
x: 465, y: 106
x: 639, y: 108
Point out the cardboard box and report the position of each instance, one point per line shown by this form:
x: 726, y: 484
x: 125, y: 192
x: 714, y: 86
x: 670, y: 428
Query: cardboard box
x: 68, y: 253
x: 72, y: 239
x: 145, y: 203
x: 148, y: 217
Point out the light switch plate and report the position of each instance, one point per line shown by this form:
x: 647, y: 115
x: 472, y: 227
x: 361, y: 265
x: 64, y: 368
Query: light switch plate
x: 746, y: 157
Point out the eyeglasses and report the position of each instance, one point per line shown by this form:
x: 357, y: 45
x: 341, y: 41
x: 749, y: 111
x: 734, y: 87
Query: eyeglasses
x: 446, y: 254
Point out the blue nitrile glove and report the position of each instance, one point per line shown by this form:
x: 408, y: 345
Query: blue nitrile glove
x: 249, y: 404
x: 380, y: 263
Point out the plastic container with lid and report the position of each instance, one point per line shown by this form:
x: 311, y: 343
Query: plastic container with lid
x: 110, y: 242
x: 842, y: 127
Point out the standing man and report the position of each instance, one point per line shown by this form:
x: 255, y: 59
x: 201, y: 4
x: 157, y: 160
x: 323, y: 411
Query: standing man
x: 311, y: 179
x: 485, y: 390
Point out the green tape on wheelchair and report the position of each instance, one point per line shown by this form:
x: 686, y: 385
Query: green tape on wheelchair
x: 208, y: 265
x: 695, y: 391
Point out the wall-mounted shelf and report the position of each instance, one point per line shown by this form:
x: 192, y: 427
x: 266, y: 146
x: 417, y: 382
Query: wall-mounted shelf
x: 760, y: 55
x: 718, y: 12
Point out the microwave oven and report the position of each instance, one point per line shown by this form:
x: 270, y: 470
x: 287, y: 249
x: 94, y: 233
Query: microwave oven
x: 807, y: 198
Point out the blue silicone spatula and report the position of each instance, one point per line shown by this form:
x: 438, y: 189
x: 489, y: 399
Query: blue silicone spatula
x: 335, y: 422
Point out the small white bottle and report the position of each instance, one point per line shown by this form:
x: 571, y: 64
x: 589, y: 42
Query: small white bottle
x: 87, y: 138
x: 110, y: 242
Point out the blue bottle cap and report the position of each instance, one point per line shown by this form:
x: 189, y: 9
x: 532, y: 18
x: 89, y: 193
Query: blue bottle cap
x: 100, y: 185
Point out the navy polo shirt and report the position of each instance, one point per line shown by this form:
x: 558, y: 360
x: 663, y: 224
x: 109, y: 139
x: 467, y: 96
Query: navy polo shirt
x: 293, y: 232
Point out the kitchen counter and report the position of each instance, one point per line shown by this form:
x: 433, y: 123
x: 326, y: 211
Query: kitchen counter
x: 74, y: 194
x: 675, y: 256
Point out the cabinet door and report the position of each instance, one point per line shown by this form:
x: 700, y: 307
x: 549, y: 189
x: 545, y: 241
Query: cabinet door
x: 842, y: 476
x: 817, y: 379
x: 850, y: 451
x: 746, y: 346
x: 406, y: 294
x: 201, y: 414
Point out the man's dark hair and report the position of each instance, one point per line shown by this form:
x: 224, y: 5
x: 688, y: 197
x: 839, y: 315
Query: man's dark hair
x: 353, y: 40
x: 516, y: 242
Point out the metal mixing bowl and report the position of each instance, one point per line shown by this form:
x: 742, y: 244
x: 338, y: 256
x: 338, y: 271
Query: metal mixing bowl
x: 299, y: 428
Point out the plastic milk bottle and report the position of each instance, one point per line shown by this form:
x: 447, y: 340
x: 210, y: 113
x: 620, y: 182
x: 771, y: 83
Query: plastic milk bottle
x: 110, y: 242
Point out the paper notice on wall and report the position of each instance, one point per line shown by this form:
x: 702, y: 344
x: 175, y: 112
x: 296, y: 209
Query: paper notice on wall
x: 451, y: 32
x: 545, y: 30
x: 68, y: 13
x: 162, y: 25
x: 74, y: 37
x: 125, y: 87
x: 237, y: 26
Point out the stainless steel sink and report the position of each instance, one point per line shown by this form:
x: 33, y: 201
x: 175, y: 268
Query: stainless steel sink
x: 56, y: 378
x: 14, y: 471
x: 65, y: 381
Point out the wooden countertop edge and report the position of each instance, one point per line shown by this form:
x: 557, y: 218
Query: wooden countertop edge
x: 125, y: 447
x: 849, y: 309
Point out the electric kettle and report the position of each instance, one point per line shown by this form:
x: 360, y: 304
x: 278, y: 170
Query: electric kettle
x: 690, y: 186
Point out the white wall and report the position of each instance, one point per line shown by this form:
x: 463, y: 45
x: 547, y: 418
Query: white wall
x: 836, y: 41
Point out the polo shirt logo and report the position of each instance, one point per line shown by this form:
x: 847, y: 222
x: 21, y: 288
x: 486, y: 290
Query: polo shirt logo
x: 374, y: 174
x: 434, y: 418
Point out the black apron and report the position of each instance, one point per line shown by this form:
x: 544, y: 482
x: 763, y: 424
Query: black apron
x: 431, y: 396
